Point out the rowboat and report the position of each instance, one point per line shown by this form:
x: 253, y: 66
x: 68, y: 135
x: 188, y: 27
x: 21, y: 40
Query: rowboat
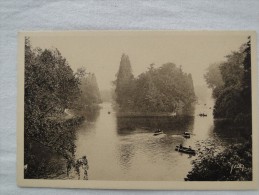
x: 158, y: 132
x: 187, y: 134
x: 185, y: 150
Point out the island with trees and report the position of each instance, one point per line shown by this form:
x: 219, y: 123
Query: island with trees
x: 163, y: 90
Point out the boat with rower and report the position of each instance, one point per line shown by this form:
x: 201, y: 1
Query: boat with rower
x: 186, y: 150
x: 187, y: 134
x: 158, y: 132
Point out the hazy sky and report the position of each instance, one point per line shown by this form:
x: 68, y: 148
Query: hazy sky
x: 100, y: 52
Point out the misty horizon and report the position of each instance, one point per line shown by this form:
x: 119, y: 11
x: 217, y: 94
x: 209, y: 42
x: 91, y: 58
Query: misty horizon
x: 194, y: 53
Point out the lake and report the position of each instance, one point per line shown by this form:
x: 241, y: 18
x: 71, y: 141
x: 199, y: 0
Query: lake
x: 125, y: 148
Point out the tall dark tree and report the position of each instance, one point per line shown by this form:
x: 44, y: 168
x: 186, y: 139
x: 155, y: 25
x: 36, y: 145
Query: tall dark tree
x: 247, y: 76
x: 124, y: 83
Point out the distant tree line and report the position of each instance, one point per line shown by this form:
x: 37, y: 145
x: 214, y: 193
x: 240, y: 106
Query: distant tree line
x: 163, y: 89
x: 90, y: 95
x: 231, y: 85
x: 50, y: 88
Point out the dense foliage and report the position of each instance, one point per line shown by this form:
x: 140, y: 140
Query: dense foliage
x: 50, y: 85
x: 51, y: 88
x: 90, y: 94
x: 231, y: 84
x: 214, y: 79
x: 163, y: 89
x: 125, y: 85
x: 233, y: 164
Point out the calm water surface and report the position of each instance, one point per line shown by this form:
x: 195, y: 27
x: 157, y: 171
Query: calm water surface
x: 125, y: 148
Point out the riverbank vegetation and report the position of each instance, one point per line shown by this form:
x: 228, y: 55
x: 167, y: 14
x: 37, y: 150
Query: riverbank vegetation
x: 232, y: 164
x: 231, y: 85
x: 54, y: 99
x: 163, y: 89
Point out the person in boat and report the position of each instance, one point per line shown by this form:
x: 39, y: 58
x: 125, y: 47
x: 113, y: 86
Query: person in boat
x: 180, y: 146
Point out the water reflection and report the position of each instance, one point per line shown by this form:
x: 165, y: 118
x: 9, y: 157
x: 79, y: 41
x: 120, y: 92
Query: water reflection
x: 229, y: 133
x: 126, y: 153
x: 125, y: 148
x: 93, y: 115
x: 170, y: 125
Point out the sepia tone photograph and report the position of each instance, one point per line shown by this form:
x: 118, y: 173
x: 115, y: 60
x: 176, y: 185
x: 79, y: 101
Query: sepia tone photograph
x: 169, y: 108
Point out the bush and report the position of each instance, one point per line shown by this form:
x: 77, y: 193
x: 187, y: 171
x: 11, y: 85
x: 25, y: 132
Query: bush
x: 231, y: 164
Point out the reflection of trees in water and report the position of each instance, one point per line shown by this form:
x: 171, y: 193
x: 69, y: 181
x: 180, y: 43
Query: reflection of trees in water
x: 189, y: 109
x: 126, y: 152
x: 229, y: 132
x: 125, y: 125
x: 228, y: 129
x: 92, y: 114
x: 136, y: 134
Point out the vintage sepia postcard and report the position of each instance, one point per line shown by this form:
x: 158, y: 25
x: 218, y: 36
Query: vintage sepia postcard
x: 137, y: 110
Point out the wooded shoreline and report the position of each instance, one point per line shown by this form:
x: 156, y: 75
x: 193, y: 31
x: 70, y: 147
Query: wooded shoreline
x: 146, y: 114
x: 58, y: 143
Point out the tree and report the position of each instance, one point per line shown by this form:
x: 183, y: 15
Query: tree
x: 90, y: 97
x: 232, y: 70
x: 146, y: 96
x: 214, y: 79
x: 50, y: 87
x: 233, y: 92
x: 124, y: 83
x: 163, y: 89
x: 246, y: 84
x: 233, y: 102
x: 229, y: 103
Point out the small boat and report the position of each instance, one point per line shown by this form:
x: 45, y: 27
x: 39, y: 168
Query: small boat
x: 202, y: 114
x: 185, y: 150
x: 187, y: 134
x: 158, y: 132
x: 173, y: 114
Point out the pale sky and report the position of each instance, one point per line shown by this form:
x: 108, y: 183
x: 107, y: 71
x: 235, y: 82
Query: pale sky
x: 100, y: 52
